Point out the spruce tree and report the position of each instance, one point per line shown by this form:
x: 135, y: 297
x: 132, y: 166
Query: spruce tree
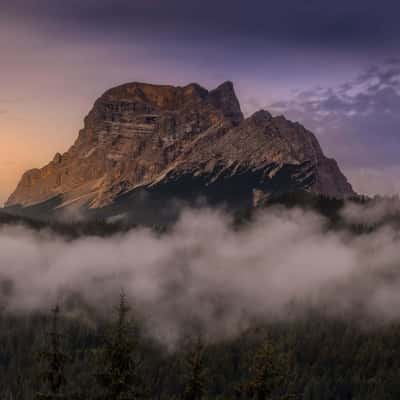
x: 119, y: 376
x: 267, y: 372
x: 52, y: 364
x: 195, y: 387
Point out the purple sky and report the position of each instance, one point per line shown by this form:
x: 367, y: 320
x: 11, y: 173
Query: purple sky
x: 334, y: 66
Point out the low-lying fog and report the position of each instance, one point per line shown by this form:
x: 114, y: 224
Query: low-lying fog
x: 206, y: 274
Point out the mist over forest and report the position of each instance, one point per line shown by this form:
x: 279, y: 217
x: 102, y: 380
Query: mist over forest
x: 207, y: 270
x: 226, y: 288
x: 279, y: 278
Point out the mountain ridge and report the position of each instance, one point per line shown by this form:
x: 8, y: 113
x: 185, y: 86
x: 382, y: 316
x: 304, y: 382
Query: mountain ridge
x: 152, y: 138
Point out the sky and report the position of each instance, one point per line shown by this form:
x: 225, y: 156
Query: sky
x: 332, y: 65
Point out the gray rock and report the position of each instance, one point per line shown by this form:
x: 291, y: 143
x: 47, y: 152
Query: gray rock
x: 142, y: 136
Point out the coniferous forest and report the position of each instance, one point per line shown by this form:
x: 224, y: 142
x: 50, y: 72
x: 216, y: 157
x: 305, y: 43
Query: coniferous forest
x: 62, y: 353
x: 49, y: 356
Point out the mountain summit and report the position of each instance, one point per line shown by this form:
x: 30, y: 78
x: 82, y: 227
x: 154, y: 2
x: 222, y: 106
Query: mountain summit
x: 143, y: 143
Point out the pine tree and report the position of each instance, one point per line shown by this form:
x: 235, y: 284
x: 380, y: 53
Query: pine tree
x: 119, y: 377
x: 267, y: 372
x: 195, y: 373
x: 53, y: 360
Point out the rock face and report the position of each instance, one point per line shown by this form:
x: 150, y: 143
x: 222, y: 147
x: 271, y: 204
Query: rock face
x: 180, y: 142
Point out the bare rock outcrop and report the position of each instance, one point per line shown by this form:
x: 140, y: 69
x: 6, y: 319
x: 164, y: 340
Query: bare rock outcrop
x: 145, y: 137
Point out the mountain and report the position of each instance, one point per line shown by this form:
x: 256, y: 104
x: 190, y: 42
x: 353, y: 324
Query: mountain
x: 146, y: 148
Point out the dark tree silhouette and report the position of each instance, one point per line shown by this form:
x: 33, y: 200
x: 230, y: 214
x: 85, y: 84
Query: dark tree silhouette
x: 119, y: 366
x: 267, y: 372
x: 52, y: 364
x: 195, y: 386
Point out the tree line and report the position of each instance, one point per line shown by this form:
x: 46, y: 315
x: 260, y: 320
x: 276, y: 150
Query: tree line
x: 55, y: 356
x: 118, y: 374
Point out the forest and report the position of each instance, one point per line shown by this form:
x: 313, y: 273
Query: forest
x: 72, y: 350
x: 49, y: 356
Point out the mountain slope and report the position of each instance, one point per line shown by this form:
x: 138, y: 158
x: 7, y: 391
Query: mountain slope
x: 143, y: 142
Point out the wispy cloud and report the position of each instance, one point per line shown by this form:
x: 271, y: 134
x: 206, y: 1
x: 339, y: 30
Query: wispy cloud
x: 377, y: 90
x: 358, y: 121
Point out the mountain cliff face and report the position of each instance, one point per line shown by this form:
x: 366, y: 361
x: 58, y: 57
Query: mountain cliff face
x: 142, y: 142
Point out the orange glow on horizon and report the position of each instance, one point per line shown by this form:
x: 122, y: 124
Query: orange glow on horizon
x: 28, y: 143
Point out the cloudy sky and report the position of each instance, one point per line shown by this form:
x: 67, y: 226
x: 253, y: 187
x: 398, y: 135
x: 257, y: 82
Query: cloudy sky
x: 332, y: 65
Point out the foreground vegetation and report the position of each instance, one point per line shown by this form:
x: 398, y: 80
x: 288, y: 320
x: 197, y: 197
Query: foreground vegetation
x: 54, y: 356
x: 75, y: 352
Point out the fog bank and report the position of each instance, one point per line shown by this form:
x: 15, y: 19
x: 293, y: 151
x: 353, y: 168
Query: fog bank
x: 207, y: 275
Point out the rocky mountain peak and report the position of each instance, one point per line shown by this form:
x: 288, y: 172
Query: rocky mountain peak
x: 261, y: 117
x: 165, y: 142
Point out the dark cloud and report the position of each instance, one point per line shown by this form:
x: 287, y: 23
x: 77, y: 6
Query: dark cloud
x: 359, y: 120
x: 337, y: 24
